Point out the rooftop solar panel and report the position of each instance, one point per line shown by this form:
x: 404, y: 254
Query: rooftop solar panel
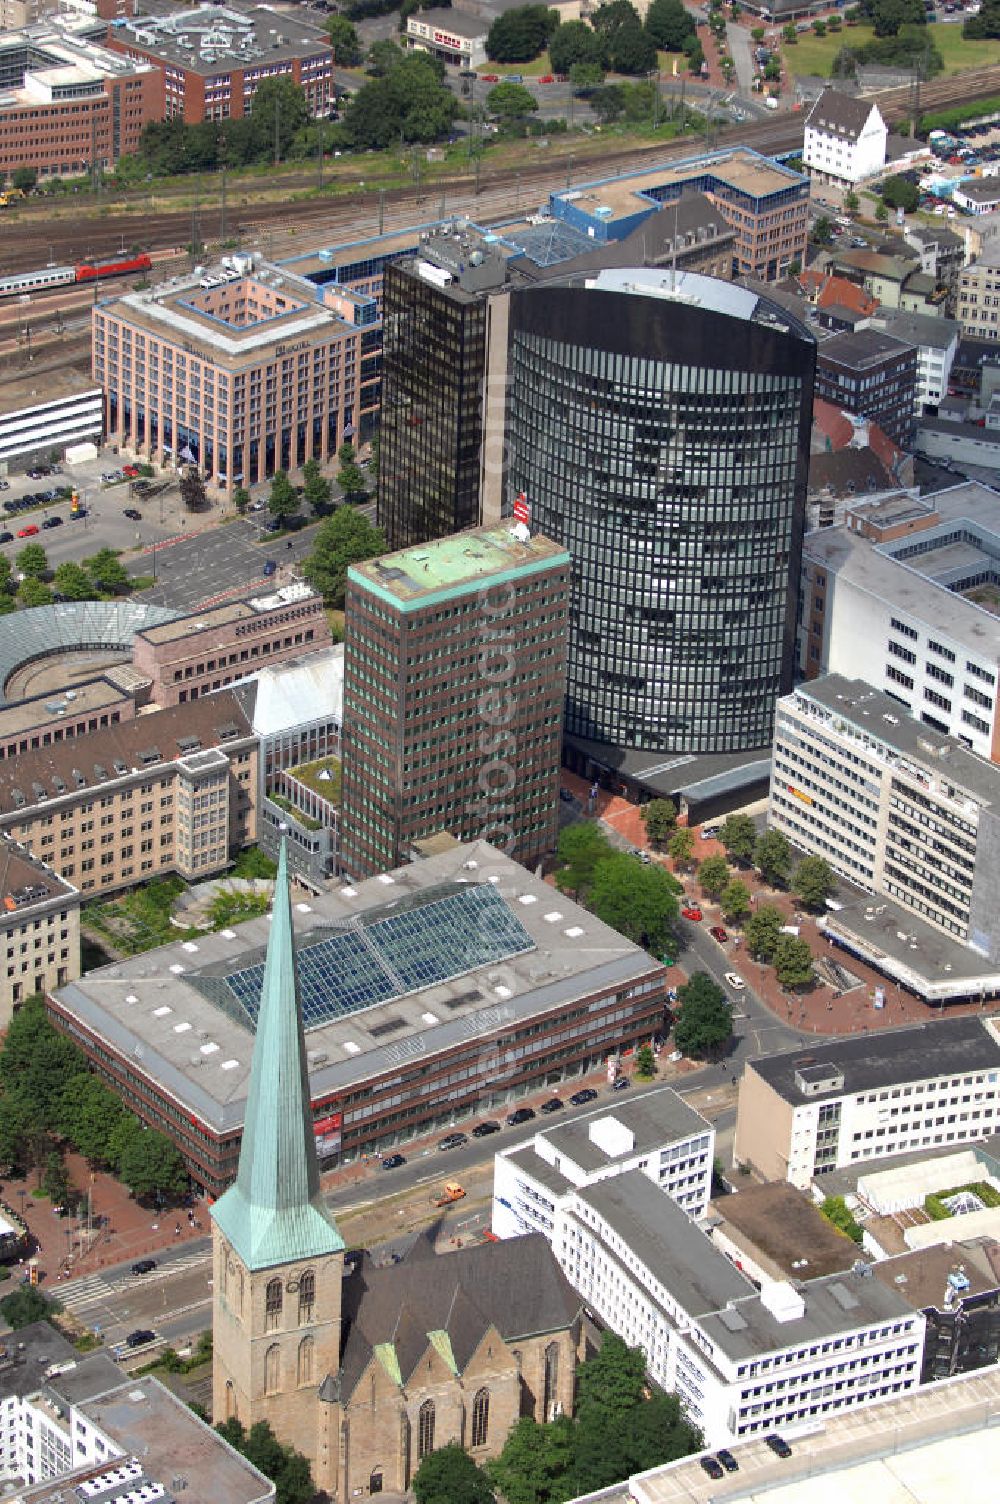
x: 400, y: 949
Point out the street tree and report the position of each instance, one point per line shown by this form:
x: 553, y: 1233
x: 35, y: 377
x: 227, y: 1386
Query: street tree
x: 631, y: 49
x: 519, y: 35
x: 24, y: 1306
x: 612, y: 1382
x: 32, y: 561
x: 449, y: 1476
x: 638, y: 900
x: 344, y: 539
x: 317, y: 488
x: 851, y: 202
x: 705, y: 1022
x: 73, y: 581
x: 735, y: 901
x: 88, y: 1114
x: 608, y: 103
x: 713, y: 875
x: 241, y: 499
x: 535, y: 1461
x: 574, y: 43
x: 32, y: 592
x: 351, y: 480
x: 25, y: 179
x: 659, y: 816
x: 149, y: 1164
x: 822, y: 230
x: 793, y: 961
x: 278, y: 111
x: 383, y: 56
x: 670, y: 24
x: 344, y: 41
x: 586, y: 76
x: 409, y: 102
x: 814, y: 881
x: 107, y: 571
x: 645, y: 1060
x: 282, y: 500
x: 899, y: 193
x: 739, y: 836
x: 511, y: 101
x: 6, y: 572
x: 762, y: 932
x: 680, y: 847
x: 581, y: 847
x: 772, y: 856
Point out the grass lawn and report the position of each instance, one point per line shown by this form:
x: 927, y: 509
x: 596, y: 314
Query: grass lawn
x: 813, y: 54
x: 537, y: 68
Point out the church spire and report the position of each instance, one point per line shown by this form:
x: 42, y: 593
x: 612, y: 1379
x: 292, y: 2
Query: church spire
x: 275, y: 1212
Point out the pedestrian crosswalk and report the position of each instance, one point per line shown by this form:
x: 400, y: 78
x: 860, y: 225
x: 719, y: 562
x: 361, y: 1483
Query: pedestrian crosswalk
x: 93, y: 1289
x: 89, y: 1291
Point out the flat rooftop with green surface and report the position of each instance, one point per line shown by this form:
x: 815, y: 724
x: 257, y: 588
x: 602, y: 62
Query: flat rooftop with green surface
x: 448, y: 566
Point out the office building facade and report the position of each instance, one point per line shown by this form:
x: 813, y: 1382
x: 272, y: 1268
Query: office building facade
x: 872, y: 375
x: 676, y: 479
x: 805, y: 1113
x: 39, y: 928
x: 454, y: 671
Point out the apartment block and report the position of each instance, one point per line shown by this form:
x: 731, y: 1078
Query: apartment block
x: 658, y: 1135
x: 936, y: 343
x: 68, y: 104
x: 213, y: 58
x: 242, y: 370
x: 905, y: 587
x: 454, y: 674
x: 979, y: 294
x: 744, y: 1361
x: 39, y: 928
x: 897, y: 808
x: 872, y: 375
x: 171, y: 791
x: 845, y: 139
x: 187, y: 658
x: 807, y: 1112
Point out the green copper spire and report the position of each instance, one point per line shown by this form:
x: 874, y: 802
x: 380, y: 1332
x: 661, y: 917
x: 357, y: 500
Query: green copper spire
x: 275, y: 1213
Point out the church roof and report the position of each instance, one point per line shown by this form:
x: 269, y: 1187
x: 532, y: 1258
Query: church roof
x: 275, y: 1213
x: 449, y: 1302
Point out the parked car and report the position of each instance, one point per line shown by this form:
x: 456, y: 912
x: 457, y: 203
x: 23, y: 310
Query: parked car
x: 691, y: 911
x: 77, y: 512
x: 393, y: 1161
x: 143, y: 1266
x: 270, y: 568
x: 709, y: 832
x: 257, y: 506
x: 778, y: 1445
x: 130, y: 471
x: 140, y: 1337
x: 728, y: 1461
x: 622, y: 1084
x: 133, y: 514
x: 27, y: 532
x: 718, y: 933
x: 712, y: 1468
x: 483, y: 1130
x: 554, y: 1104
x: 453, y: 1141
x: 52, y: 522
x: 520, y: 1115
x: 734, y: 981
x: 4, y: 485
x: 579, y: 1098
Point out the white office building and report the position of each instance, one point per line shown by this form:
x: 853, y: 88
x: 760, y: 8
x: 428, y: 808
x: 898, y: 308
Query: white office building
x: 742, y: 1361
x: 904, y: 591
x: 656, y: 1134
x: 845, y: 139
x: 936, y: 342
x: 805, y: 1113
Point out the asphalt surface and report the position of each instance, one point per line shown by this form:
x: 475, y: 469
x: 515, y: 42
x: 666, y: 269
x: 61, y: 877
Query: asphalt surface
x: 217, y: 562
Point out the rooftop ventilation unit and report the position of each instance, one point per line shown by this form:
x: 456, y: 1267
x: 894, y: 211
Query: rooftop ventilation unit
x: 18, y: 798
x: 79, y: 779
x: 120, y: 766
x: 100, y: 772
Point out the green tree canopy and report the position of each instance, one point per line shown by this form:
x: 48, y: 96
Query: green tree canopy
x: 631, y: 49
x: 278, y: 111
x: 192, y: 489
x: 713, y: 875
x: 659, y: 816
x: 611, y: 1383
x: 26, y: 1305
x: 899, y: 193
x: 344, y: 41
x: 814, y: 881
x: 24, y: 178
x: 762, y: 931
x: 449, y: 1476
x: 680, y: 847
x: 586, y: 76
x: 88, y: 1114
x: 282, y: 500
x: 670, y: 24
x: 519, y: 35
x: 317, y: 488
x: 985, y: 24
x: 344, y: 539
x: 37, y: 1061
x: 73, y: 581
x: 511, y: 101
x: 575, y: 42
x: 351, y: 480
x: 286, y: 1467
x: 636, y: 899
x: 408, y: 103
x: 150, y: 1164
x: 739, y: 836
x: 822, y: 230
x: 33, y: 592
x: 241, y: 499
x: 735, y: 900
x: 535, y: 1461
x: 772, y: 856
x: 383, y: 56
x: 793, y: 961
x: 581, y: 847
x: 645, y: 1060
x: 888, y: 16
x: 107, y: 571
x: 705, y: 1022
x: 608, y: 103
x: 32, y: 561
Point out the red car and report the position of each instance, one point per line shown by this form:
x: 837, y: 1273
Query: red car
x: 547, y: 78
x: 718, y: 933
x: 690, y: 912
x: 27, y: 532
x: 131, y: 471
x: 491, y: 78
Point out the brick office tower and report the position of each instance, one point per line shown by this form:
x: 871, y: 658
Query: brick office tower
x: 454, y: 674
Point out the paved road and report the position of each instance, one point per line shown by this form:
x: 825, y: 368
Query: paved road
x: 218, y: 561
x: 739, y: 42
x: 172, y: 1301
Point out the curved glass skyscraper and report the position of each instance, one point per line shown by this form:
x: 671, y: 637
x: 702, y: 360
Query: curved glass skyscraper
x: 659, y: 424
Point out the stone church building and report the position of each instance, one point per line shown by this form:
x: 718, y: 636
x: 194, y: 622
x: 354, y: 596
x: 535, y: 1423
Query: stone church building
x: 365, y: 1371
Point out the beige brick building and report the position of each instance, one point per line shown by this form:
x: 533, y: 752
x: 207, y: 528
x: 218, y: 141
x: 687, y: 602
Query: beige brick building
x: 39, y: 929
x: 171, y: 791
